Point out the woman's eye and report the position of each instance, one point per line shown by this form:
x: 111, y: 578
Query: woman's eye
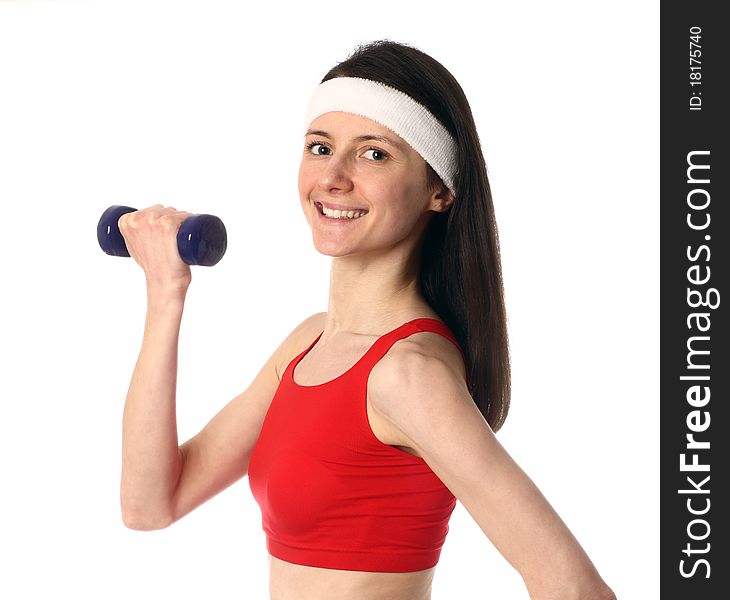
x: 316, y: 148
x: 377, y: 155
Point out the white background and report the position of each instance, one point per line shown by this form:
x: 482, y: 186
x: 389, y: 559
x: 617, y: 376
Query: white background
x: 199, y: 105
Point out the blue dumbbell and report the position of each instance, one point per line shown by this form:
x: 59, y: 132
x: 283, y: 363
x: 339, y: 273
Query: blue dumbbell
x: 201, y: 239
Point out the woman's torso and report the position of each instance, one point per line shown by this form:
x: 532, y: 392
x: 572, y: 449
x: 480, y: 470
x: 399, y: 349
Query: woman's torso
x: 290, y: 581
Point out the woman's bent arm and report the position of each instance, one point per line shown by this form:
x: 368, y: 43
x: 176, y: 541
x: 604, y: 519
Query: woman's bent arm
x: 151, y: 458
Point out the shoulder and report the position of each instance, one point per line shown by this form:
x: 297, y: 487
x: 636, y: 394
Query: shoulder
x: 418, y: 389
x: 405, y: 378
x: 298, y: 339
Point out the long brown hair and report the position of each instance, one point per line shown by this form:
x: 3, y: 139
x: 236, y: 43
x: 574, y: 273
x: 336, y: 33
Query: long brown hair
x: 460, y: 273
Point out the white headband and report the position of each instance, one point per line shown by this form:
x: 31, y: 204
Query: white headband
x: 393, y: 109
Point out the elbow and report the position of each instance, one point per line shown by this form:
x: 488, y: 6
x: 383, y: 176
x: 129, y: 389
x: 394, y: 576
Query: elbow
x: 142, y: 514
x: 141, y: 522
x: 597, y: 590
x: 606, y: 593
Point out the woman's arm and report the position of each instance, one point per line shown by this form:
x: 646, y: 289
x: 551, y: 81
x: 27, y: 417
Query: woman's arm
x: 435, y: 415
x: 161, y: 482
x: 151, y: 460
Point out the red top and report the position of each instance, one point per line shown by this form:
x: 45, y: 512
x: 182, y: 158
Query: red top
x: 331, y: 494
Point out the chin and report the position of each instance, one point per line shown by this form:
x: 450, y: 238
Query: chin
x: 330, y: 250
x: 329, y: 246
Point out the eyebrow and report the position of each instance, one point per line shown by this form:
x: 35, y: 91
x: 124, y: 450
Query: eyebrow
x: 359, y: 138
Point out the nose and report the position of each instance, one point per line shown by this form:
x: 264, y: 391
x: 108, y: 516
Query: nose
x: 335, y: 174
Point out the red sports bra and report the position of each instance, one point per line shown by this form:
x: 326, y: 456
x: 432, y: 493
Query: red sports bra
x: 333, y: 495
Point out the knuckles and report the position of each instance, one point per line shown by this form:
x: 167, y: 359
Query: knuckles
x: 152, y: 218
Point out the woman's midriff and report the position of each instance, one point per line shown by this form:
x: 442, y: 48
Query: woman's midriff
x: 289, y: 581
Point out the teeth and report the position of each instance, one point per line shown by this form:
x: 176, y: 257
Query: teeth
x: 342, y: 214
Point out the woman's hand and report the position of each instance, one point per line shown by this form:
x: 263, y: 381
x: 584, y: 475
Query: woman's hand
x: 151, y: 238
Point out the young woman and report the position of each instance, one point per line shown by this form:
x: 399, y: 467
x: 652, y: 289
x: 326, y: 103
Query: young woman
x: 371, y: 419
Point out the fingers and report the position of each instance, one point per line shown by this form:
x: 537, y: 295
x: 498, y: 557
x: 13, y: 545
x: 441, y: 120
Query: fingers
x: 150, y: 235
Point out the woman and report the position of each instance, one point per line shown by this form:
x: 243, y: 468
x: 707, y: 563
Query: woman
x: 371, y: 419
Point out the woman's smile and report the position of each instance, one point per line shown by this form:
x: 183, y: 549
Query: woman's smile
x: 336, y: 215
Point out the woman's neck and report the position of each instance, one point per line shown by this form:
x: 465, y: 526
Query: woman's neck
x: 371, y: 297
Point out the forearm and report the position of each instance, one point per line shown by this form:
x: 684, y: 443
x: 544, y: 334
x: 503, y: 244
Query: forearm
x: 151, y: 461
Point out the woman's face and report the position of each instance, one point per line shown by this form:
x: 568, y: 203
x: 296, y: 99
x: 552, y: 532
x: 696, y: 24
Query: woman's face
x: 350, y: 162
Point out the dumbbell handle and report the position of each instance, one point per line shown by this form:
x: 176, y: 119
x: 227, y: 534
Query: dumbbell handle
x: 201, y: 239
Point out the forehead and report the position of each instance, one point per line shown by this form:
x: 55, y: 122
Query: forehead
x: 345, y: 126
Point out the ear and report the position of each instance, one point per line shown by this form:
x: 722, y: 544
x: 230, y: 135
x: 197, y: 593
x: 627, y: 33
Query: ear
x: 441, y: 199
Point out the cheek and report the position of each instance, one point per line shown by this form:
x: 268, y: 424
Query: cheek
x: 304, y: 181
x: 405, y: 199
